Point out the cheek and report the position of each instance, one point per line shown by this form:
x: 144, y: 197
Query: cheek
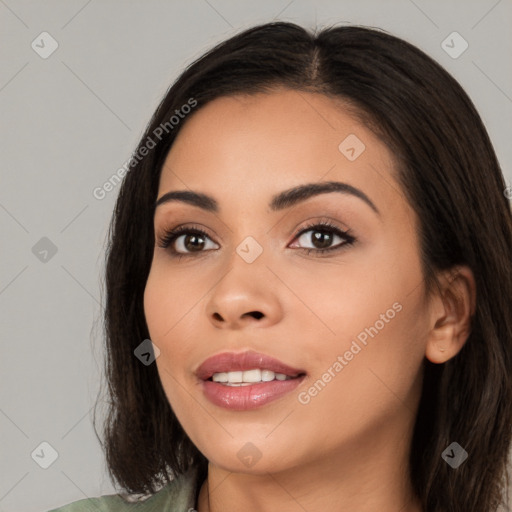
x: 163, y: 312
x: 150, y: 305
x: 359, y: 385
x: 167, y: 301
x: 374, y: 318
x: 162, y: 318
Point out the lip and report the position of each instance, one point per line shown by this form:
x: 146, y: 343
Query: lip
x: 232, y: 362
x: 241, y: 398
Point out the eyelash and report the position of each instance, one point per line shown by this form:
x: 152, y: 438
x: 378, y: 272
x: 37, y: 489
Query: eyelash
x: 169, y: 237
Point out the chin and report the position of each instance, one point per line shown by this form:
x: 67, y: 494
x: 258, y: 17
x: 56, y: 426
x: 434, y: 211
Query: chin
x: 240, y: 455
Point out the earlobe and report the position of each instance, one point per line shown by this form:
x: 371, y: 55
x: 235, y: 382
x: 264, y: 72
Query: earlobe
x: 440, y: 344
x: 451, y: 315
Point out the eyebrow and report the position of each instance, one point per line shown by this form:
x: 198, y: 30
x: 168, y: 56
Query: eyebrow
x: 280, y: 201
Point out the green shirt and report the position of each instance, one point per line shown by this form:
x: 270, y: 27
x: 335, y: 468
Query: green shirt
x: 177, y: 496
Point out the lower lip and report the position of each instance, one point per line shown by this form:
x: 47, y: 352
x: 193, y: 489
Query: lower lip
x: 243, y: 398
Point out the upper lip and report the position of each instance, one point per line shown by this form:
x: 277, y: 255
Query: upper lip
x: 232, y: 362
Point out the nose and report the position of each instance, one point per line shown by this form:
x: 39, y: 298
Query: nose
x: 245, y: 298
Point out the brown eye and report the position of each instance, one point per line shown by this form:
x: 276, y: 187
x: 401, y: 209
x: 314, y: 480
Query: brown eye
x: 319, y: 239
x: 192, y: 242
x: 322, y: 235
x: 185, y: 241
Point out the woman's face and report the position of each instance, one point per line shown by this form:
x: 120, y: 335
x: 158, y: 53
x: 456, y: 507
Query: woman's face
x: 350, y: 323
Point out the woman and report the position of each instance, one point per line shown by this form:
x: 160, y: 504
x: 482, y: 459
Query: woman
x: 314, y: 235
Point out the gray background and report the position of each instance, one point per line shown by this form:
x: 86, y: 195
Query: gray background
x: 71, y: 120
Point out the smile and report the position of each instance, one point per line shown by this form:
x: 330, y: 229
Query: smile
x: 246, y: 380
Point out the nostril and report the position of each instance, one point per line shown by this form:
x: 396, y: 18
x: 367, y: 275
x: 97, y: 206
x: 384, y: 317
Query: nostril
x: 256, y: 314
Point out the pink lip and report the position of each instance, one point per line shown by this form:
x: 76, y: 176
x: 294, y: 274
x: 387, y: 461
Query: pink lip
x: 232, y: 362
x: 246, y: 397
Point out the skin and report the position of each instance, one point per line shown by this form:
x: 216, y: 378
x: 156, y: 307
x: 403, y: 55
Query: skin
x: 347, y: 448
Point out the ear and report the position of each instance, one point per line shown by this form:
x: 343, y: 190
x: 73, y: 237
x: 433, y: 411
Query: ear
x: 451, y: 311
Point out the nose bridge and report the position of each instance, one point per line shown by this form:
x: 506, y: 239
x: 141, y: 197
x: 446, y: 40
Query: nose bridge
x: 250, y: 241
x: 245, y: 272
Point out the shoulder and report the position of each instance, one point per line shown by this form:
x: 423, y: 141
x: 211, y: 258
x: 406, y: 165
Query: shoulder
x: 176, y: 496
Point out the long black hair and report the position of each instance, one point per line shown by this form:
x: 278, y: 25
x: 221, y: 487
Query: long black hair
x: 448, y: 172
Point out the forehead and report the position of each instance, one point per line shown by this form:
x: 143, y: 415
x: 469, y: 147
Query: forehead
x: 251, y: 147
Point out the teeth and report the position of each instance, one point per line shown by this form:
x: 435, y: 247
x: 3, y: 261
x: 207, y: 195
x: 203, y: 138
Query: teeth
x: 251, y: 376
x: 247, y: 377
x: 267, y: 375
x: 235, y: 377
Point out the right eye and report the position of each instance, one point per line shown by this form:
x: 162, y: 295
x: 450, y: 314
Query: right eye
x: 184, y: 241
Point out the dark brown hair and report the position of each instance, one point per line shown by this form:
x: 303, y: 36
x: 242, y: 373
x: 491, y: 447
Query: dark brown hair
x: 449, y: 174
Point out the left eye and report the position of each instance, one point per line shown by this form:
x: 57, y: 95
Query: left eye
x: 322, y: 238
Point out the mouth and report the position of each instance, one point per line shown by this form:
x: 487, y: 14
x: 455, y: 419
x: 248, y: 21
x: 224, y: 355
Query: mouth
x: 246, y: 380
x: 249, y: 377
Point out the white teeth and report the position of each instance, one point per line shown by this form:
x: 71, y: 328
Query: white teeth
x: 247, y: 377
x: 235, y: 376
x: 267, y: 375
x: 252, y: 376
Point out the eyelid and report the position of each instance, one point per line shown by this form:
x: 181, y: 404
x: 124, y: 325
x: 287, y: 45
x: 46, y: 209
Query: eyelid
x: 322, y: 220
